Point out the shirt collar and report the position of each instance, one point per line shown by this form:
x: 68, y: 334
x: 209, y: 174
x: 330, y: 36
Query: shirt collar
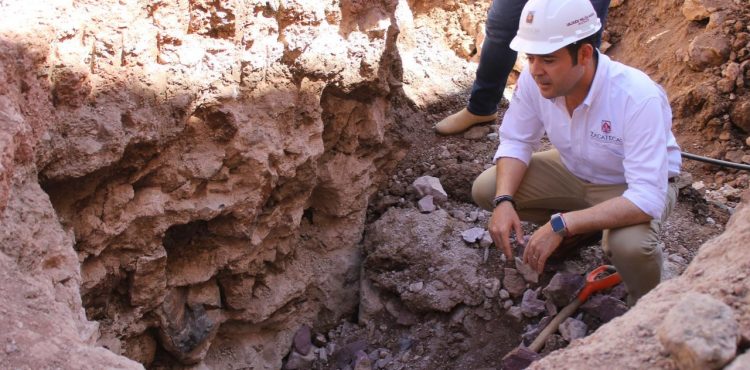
x: 603, y: 62
x: 596, y: 84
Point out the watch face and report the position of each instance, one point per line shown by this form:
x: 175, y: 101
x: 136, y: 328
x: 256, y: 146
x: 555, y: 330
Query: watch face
x: 558, y: 225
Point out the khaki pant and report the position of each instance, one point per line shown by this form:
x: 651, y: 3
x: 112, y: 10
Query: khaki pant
x: 549, y: 187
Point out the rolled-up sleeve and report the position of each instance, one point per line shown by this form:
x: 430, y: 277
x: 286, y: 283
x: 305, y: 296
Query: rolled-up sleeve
x: 645, y: 162
x: 521, y: 129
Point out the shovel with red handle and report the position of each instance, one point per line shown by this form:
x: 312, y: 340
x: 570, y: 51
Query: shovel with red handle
x: 594, y: 283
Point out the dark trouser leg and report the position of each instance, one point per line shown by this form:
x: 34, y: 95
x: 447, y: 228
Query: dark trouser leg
x: 497, y: 58
x: 602, y: 9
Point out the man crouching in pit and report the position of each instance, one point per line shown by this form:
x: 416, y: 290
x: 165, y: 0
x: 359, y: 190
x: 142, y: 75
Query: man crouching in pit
x: 615, y: 157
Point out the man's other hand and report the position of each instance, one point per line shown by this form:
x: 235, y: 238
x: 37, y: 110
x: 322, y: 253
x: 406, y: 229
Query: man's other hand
x: 504, y: 220
x: 541, y: 245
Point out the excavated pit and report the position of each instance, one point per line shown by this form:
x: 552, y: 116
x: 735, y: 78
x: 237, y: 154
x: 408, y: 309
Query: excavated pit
x: 210, y: 184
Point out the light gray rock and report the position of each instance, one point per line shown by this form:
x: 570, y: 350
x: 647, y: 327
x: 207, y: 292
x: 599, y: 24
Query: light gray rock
x: 572, y: 329
x: 491, y: 288
x: 415, y: 287
x: 515, y: 313
x: 486, y: 240
x: 742, y: 362
x: 428, y: 185
x: 504, y: 294
x: 527, y: 272
x: 700, y: 332
x: 472, y: 235
x: 426, y: 205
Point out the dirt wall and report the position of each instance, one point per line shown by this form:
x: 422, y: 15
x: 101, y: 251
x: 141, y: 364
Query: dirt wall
x: 186, y: 181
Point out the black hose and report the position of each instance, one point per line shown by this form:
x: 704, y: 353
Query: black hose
x: 716, y: 162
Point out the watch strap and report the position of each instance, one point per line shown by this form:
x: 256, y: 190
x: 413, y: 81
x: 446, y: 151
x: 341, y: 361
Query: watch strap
x: 503, y: 198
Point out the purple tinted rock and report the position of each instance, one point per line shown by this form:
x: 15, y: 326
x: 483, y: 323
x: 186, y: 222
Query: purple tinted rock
x: 563, y: 288
x: 426, y: 205
x: 513, y: 282
x: 532, y: 331
x: 473, y: 234
x: 619, y: 292
x: 519, y: 358
x: 604, y: 307
x: 550, y: 307
x: 347, y: 353
x: 530, y: 305
x: 573, y: 329
x: 303, y: 340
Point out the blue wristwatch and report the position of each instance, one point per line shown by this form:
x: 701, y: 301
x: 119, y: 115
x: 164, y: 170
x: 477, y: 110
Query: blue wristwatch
x: 558, y: 225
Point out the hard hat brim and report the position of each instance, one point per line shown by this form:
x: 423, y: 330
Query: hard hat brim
x: 537, y: 48
x: 541, y: 47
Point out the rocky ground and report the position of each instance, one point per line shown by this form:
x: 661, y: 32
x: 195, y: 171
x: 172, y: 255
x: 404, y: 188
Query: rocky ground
x: 191, y: 184
x: 433, y: 299
x: 442, y: 302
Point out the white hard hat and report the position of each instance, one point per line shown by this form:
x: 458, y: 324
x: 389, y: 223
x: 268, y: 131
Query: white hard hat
x: 548, y: 25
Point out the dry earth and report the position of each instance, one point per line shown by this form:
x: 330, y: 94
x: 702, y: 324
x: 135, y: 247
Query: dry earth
x: 222, y: 184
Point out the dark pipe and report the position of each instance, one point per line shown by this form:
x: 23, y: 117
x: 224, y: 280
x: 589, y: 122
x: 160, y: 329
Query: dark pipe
x: 716, y: 162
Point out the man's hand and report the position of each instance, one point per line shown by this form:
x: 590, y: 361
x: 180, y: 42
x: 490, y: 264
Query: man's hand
x: 540, y: 247
x: 504, y: 220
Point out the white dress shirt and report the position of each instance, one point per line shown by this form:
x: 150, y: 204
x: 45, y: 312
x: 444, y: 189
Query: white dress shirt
x: 621, y: 133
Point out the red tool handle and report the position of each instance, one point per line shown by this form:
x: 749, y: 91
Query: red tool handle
x: 595, y: 284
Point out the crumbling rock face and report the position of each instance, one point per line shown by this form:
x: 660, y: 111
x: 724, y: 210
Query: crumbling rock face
x: 208, y: 166
x: 707, y: 78
x: 418, y: 264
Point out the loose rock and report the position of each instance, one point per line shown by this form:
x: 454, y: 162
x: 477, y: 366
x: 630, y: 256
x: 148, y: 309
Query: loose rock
x: 473, y: 234
x: 428, y: 185
x: 572, y: 329
x: 604, y: 307
x: 742, y: 362
x: 426, y: 204
x: 530, y: 305
x: 513, y: 282
x: 529, y: 274
x: 700, y: 332
x: 563, y: 287
x: 303, y: 340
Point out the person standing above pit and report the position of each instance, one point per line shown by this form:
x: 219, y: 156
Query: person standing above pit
x: 495, y: 63
x: 615, y: 157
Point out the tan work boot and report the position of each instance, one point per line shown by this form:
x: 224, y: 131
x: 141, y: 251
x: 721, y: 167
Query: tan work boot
x: 461, y: 121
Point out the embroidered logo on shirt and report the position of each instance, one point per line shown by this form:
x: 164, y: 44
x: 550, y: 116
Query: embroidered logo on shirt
x: 605, y: 136
x: 530, y: 17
